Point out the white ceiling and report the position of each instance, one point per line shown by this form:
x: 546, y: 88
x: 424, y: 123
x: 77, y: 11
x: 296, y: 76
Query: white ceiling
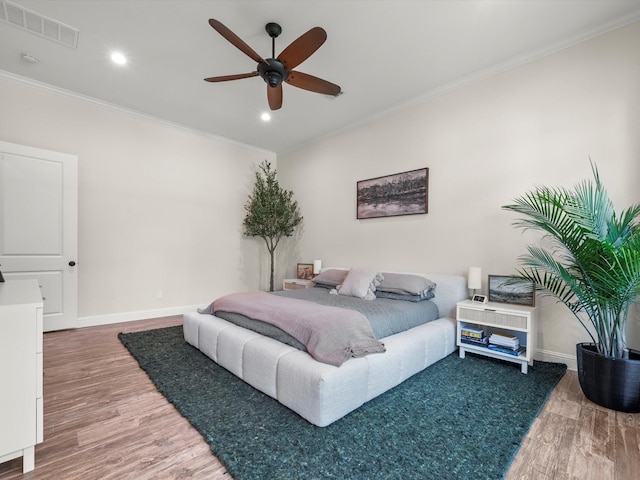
x: 384, y: 54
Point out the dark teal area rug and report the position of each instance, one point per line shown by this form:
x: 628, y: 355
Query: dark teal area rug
x: 458, y: 419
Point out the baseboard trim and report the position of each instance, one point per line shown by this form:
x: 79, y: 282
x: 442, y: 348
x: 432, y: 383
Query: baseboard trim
x: 95, y: 320
x: 549, y: 356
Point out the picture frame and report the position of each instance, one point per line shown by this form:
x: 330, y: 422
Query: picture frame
x: 511, y: 290
x: 304, y: 271
x: 405, y: 193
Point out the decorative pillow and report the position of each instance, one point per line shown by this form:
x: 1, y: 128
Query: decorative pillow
x: 407, y: 298
x: 404, y: 284
x: 360, y: 283
x: 330, y: 278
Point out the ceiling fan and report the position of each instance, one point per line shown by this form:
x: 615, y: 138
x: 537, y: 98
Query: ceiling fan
x: 275, y: 70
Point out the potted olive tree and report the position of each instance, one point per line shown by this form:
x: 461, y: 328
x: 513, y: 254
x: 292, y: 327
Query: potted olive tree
x: 272, y: 213
x: 590, y: 262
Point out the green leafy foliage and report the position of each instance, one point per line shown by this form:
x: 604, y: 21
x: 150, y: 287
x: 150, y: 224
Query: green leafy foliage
x: 272, y: 213
x: 593, y: 263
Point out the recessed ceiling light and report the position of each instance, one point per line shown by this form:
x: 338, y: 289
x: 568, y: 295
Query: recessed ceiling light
x: 266, y: 116
x: 118, y: 58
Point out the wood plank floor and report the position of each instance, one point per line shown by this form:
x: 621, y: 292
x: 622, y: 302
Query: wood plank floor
x: 104, y: 419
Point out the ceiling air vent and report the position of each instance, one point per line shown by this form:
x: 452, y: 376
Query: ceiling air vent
x: 33, y: 22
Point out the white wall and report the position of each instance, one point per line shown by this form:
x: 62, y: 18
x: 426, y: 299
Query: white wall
x: 484, y: 145
x: 160, y: 207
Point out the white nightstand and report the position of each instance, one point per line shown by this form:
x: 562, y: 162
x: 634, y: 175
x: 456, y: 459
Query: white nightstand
x: 516, y: 320
x: 296, y: 283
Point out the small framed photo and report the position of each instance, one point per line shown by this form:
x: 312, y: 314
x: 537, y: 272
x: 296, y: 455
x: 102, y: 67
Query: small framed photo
x: 305, y: 271
x: 513, y: 290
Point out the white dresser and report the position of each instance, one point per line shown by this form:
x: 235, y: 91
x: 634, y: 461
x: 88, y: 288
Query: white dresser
x: 21, y: 408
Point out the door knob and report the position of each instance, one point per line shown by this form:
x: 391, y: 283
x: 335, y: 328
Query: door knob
x: 72, y: 263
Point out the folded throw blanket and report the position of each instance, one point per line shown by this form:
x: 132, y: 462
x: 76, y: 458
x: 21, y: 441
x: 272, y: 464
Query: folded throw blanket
x: 331, y: 334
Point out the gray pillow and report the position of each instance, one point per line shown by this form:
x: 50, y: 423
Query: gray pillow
x: 406, y: 297
x: 330, y: 278
x: 404, y: 283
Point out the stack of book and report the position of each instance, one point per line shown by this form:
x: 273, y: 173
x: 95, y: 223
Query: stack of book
x: 505, y: 343
x: 473, y: 336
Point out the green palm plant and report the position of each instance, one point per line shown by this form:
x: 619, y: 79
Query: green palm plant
x: 592, y: 264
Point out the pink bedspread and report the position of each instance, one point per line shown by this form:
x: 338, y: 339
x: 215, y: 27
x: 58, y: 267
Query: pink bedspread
x: 331, y: 334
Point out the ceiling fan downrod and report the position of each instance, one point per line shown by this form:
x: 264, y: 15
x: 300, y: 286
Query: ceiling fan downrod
x: 274, y: 30
x: 274, y: 73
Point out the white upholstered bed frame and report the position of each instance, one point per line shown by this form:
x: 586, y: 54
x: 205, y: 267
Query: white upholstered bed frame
x: 319, y: 392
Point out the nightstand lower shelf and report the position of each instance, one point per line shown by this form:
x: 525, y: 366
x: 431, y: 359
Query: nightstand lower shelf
x: 487, y: 352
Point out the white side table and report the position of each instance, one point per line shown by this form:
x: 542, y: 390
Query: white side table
x: 517, y: 320
x: 296, y: 283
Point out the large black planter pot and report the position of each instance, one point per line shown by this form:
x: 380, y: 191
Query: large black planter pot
x: 611, y: 382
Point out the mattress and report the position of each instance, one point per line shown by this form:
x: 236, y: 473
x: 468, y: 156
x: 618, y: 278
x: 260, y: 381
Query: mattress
x: 319, y: 392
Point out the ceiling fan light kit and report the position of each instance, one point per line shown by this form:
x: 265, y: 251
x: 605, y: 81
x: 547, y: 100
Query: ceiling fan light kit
x: 276, y: 70
x: 272, y: 72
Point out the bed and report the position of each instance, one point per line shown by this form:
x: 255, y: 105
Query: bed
x: 319, y: 392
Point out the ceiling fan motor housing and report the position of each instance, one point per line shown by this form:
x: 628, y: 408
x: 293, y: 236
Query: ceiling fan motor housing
x: 274, y: 73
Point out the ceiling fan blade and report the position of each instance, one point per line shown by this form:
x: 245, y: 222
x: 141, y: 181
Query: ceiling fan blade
x: 302, y: 48
x: 225, y: 78
x: 313, y: 84
x: 235, y: 40
x: 274, y: 95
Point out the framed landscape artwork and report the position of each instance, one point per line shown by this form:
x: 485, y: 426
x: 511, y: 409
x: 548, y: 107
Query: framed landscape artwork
x: 305, y: 271
x: 506, y: 289
x: 403, y: 193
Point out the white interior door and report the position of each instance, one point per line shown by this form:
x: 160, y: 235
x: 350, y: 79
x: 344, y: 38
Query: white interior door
x: 39, y: 226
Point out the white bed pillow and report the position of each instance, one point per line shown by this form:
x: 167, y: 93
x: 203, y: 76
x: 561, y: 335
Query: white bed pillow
x: 360, y: 283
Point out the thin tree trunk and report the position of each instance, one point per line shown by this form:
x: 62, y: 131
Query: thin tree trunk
x: 271, y: 252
